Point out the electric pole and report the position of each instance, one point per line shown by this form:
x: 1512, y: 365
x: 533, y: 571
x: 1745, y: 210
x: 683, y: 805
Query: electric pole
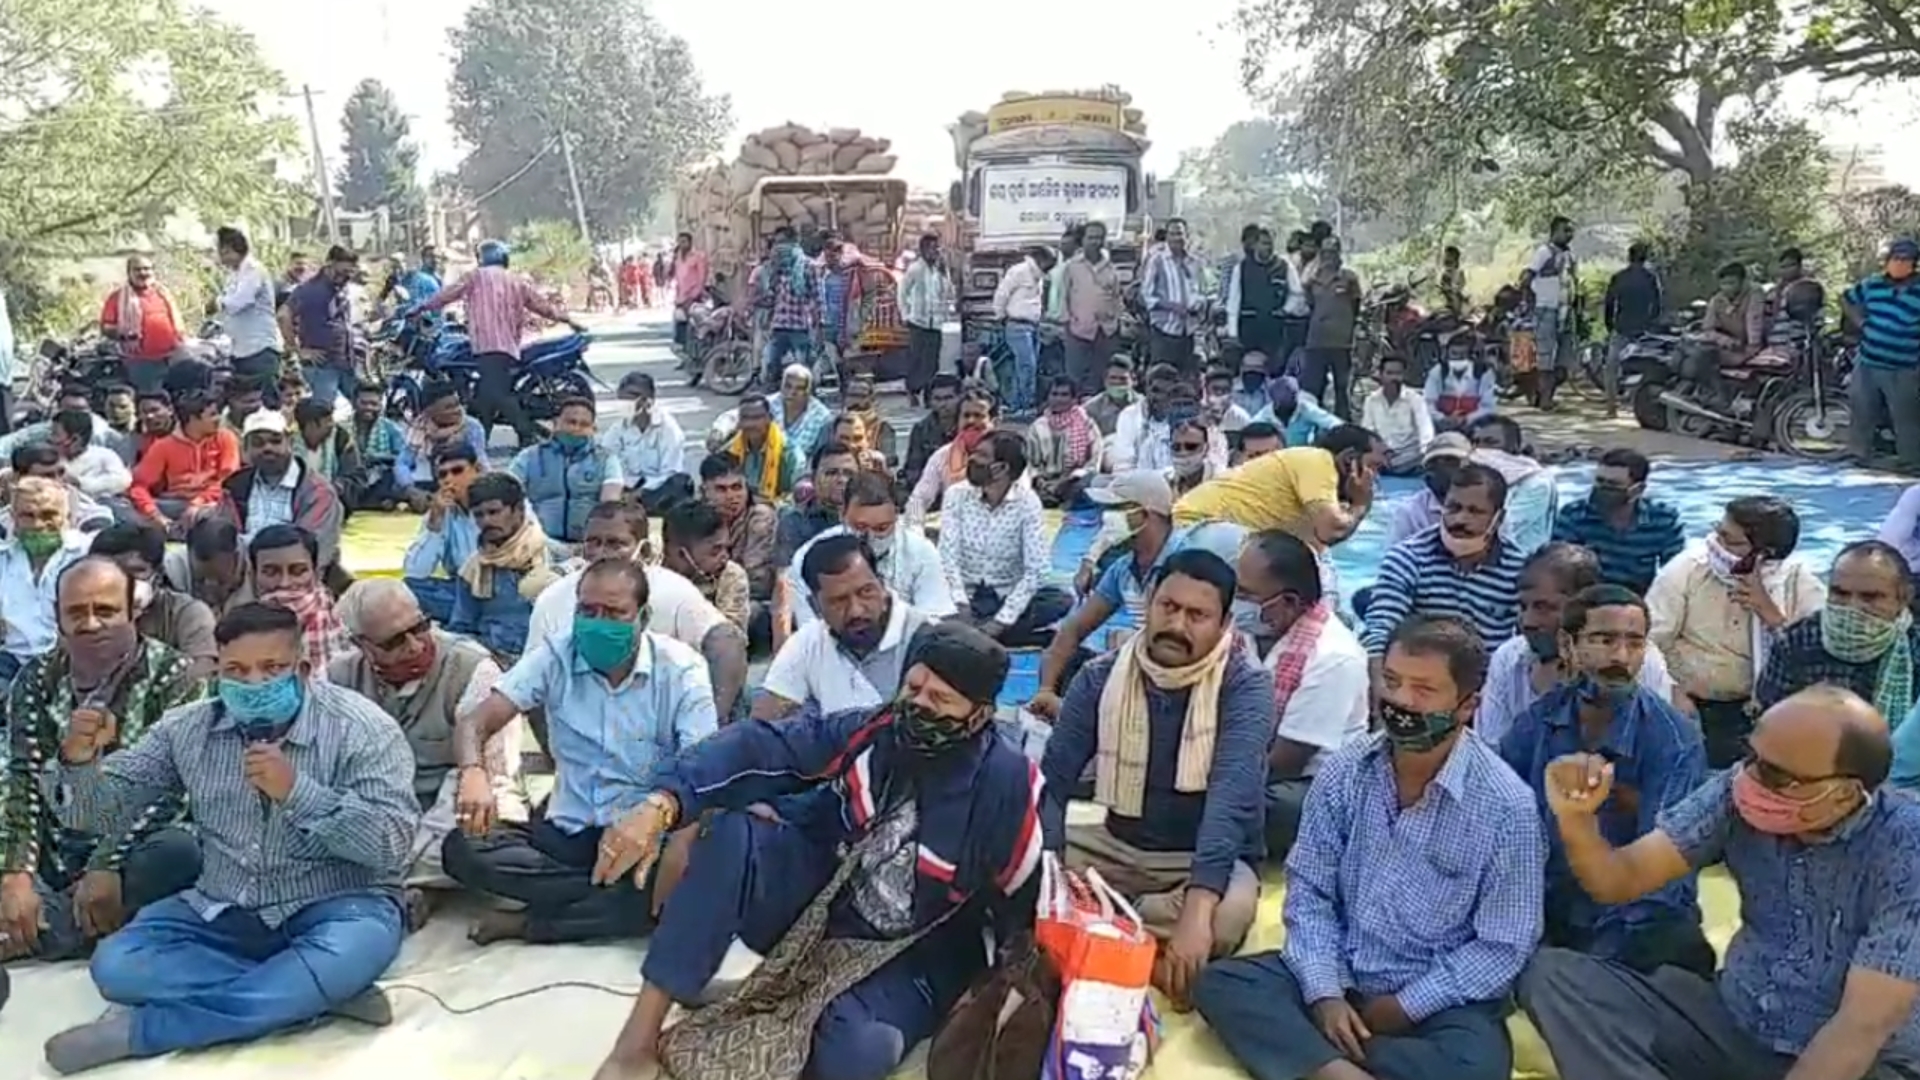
x: 320, y: 177
x: 573, y: 181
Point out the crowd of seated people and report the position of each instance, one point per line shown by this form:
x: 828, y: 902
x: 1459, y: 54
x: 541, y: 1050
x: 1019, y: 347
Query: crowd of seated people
x: 1497, y: 785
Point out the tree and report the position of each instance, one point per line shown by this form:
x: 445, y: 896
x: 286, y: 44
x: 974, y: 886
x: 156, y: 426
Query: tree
x: 382, y: 166
x: 1247, y: 176
x: 603, y: 71
x: 1442, y: 101
x: 1862, y: 39
x: 122, y: 115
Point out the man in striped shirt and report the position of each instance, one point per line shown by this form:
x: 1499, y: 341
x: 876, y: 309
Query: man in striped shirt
x: 1633, y: 535
x: 1884, y: 310
x: 1462, y: 568
x: 302, y: 793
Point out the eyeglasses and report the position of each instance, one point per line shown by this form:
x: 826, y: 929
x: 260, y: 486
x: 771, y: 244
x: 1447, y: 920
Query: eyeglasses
x: 403, y: 637
x: 1774, y: 778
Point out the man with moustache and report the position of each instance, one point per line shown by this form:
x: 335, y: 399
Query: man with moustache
x: 1658, y: 757
x: 62, y: 887
x: 275, y: 487
x: 1413, y: 895
x: 1821, y: 980
x: 856, y: 649
x: 1175, y: 725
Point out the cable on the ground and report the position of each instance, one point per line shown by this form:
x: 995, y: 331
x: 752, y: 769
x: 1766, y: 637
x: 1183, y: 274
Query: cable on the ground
x: 531, y: 991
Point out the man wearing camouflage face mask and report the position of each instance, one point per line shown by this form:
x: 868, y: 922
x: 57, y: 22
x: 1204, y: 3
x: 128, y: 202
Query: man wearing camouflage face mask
x: 1419, y: 848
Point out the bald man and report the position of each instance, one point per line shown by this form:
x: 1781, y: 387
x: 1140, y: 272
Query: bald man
x: 61, y: 887
x: 1820, y: 983
x: 43, y: 543
x: 423, y: 677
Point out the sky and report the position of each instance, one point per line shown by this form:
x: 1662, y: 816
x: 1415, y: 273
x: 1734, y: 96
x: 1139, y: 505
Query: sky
x: 1186, y: 79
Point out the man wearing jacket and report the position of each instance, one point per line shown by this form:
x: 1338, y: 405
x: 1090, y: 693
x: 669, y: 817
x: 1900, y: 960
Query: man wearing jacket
x: 277, y: 488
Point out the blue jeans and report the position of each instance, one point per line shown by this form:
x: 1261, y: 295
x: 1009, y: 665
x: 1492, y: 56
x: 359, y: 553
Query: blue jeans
x: 327, y: 383
x: 780, y: 345
x: 435, y: 596
x: 1023, y: 339
x: 193, y: 983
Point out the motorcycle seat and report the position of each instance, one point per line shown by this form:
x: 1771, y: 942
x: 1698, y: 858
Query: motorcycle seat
x: 548, y: 350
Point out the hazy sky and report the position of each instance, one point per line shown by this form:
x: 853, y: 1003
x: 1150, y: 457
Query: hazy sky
x: 1187, y: 80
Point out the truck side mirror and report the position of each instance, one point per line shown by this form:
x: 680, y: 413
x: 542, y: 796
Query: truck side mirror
x: 956, y: 197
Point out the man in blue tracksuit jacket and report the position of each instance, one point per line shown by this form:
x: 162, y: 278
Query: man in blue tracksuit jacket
x: 945, y: 813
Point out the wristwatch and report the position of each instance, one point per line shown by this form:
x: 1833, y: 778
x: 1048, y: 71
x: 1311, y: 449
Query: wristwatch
x: 668, y: 806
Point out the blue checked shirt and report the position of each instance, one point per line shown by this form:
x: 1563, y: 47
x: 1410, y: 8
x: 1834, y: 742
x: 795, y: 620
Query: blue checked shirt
x: 1658, y: 759
x: 1810, y: 912
x: 1439, y: 904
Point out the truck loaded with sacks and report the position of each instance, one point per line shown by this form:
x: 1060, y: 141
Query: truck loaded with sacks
x: 809, y: 180
x: 1033, y: 166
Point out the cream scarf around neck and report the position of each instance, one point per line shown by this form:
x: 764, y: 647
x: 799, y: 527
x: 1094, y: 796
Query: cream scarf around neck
x: 1120, y: 763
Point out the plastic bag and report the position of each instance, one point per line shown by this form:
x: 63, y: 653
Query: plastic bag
x: 1106, y: 1026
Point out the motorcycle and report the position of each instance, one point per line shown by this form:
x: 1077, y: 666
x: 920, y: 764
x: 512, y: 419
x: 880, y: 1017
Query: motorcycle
x: 94, y: 359
x: 720, y: 346
x: 550, y: 370
x: 1812, y: 418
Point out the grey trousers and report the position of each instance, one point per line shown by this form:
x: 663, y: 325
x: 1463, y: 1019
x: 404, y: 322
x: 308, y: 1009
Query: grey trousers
x: 1888, y: 397
x: 1087, y: 360
x: 1553, y: 339
x: 1603, y: 1021
x: 1253, y: 1004
x: 1285, y: 799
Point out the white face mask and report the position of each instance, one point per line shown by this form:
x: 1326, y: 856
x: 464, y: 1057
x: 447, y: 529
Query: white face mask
x: 881, y: 546
x: 142, y: 596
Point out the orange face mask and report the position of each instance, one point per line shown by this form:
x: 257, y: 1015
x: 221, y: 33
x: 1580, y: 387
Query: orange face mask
x: 1899, y: 269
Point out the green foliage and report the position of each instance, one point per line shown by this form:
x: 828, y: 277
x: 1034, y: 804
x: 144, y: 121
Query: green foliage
x: 1246, y: 177
x: 122, y: 114
x: 604, y: 70
x: 1747, y: 212
x: 550, y: 251
x: 382, y: 166
x: 1855, y: 39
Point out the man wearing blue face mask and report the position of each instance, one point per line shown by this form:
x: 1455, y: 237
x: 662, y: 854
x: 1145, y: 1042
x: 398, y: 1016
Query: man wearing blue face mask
x: 569, y: 474
x: 619, y: 700
x: 302, y: 793
x: 1413, y: 894
x: 1658, y: 758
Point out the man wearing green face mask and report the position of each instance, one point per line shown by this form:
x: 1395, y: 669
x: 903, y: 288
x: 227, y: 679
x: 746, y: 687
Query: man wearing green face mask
x: 42, y: 544
x: 1105, y: 407
x: 1864, y: 639
x: 569, y: 474
x: 1426, y: 819
x: 619, y: 700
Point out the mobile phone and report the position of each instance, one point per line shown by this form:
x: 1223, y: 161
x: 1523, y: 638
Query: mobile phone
x: 1748, y: 563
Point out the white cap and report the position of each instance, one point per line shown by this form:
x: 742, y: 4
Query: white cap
x: 1147, y: 489
x: 264, y: 419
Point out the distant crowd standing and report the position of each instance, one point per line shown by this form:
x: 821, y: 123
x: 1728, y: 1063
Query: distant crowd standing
x: 1497, y: 780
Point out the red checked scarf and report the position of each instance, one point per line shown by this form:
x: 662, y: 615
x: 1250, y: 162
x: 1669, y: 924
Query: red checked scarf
x: 1077, y: 432
x: 1295, y: 649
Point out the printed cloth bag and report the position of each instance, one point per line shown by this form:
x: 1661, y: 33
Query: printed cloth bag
x: 1105, y: 1026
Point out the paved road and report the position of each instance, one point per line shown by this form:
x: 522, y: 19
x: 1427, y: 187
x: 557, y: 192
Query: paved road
x: 641, y: 341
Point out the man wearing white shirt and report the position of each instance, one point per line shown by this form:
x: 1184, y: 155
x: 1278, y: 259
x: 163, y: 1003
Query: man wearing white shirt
x: 1399, y: 418
x: 854, y: 655
x: 1319, y: 672
x: 1143, y: 436
x: 7, y: 356
x: 675, y: 607
x: 908, y: 562
x: 246, y: 307
x: 41, y: 545
x: 651, y: 447
x: 1017, y: 303
x: 99, y: 473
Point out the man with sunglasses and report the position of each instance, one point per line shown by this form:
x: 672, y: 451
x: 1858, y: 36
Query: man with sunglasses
x: 1658, y: 757
x: 1820, y: 982
x: 424, y: 677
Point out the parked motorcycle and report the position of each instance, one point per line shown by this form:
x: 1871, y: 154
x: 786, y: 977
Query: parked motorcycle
x: 720, y: 346
x: 550, y: 370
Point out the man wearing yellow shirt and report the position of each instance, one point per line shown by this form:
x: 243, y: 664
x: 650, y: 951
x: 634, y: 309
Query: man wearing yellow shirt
x: 1320, y: 493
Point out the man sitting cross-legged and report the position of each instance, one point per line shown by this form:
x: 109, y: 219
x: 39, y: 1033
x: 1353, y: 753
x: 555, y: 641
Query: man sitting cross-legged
x: 928, y: 814
x: 618, y: 699
x: 425, y: 678
x: 104, y: 685
x: 1176, y: 725
x: 1413, y: 895
x: 302, y: 793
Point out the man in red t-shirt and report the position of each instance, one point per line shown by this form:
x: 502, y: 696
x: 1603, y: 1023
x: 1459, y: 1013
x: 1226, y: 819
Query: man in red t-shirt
x: 142, y: 318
